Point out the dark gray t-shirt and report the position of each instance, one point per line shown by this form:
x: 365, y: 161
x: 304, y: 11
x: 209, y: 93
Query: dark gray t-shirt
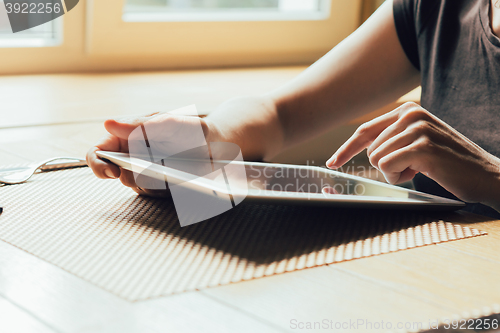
x: 452, y: 45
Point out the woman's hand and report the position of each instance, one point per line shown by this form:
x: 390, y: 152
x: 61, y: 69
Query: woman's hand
x: 166, y: 132
x: 410, y: 139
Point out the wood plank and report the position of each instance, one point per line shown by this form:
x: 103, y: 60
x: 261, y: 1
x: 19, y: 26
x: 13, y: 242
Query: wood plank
x: 487, y: 248
x: 435, y: 275
x: 37, y: 150
x: 8, y: 158
x: 78, y: 132
x: 69, y: 304
x: 70, y: 98
x: 15, y: 320
x: 337, y: 295
x: 84, y: 97
x: 39, y: 143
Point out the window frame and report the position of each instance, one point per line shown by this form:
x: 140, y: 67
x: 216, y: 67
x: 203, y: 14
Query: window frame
x: 62, y: 56
x: 155, y: 14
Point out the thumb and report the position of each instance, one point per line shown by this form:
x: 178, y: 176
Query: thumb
x: 122, y: 128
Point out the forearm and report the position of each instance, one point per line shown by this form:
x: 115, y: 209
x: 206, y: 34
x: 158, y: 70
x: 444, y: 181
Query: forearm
x: 249, y: 122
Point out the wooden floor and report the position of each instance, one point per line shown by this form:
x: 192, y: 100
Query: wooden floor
x: 45, y: 116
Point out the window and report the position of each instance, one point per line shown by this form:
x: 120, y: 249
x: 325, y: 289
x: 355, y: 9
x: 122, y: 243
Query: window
x: 48, y: 34
x: 224, y: 10
x: 207, y: 33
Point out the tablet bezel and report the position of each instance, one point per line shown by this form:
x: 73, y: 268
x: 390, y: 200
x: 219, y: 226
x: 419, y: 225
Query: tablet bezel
x: 209, y: 187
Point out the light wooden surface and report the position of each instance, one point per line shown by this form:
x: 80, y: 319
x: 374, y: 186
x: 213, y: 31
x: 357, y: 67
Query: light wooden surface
x: 429, y: 283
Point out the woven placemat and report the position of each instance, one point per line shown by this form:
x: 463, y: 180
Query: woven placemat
x: 134, y: 247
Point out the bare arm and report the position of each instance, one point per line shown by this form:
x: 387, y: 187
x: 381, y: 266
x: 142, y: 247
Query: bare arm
x: 368, y: 70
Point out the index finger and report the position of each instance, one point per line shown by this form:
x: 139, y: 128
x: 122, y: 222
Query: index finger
x: 362, y: 138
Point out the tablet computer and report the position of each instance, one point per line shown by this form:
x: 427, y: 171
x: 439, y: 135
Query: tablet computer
x: 279, y: 183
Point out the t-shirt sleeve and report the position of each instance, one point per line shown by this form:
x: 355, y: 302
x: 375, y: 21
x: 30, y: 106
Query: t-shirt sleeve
x: 404, y: 18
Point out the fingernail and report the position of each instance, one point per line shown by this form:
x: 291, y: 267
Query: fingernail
x: 331, y: 162
x: 108, y: 173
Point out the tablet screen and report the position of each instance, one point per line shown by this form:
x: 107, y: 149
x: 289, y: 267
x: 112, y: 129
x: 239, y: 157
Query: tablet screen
x: 280, y: 178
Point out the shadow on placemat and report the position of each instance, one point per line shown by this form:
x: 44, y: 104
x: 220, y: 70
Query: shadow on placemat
x: 268, y: 233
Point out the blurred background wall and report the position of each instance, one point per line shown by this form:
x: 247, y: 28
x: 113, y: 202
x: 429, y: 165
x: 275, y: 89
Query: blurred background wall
x: 124, y: 35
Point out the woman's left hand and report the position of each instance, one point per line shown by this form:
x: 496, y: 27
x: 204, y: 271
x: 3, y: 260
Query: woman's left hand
x: 410, y: 139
